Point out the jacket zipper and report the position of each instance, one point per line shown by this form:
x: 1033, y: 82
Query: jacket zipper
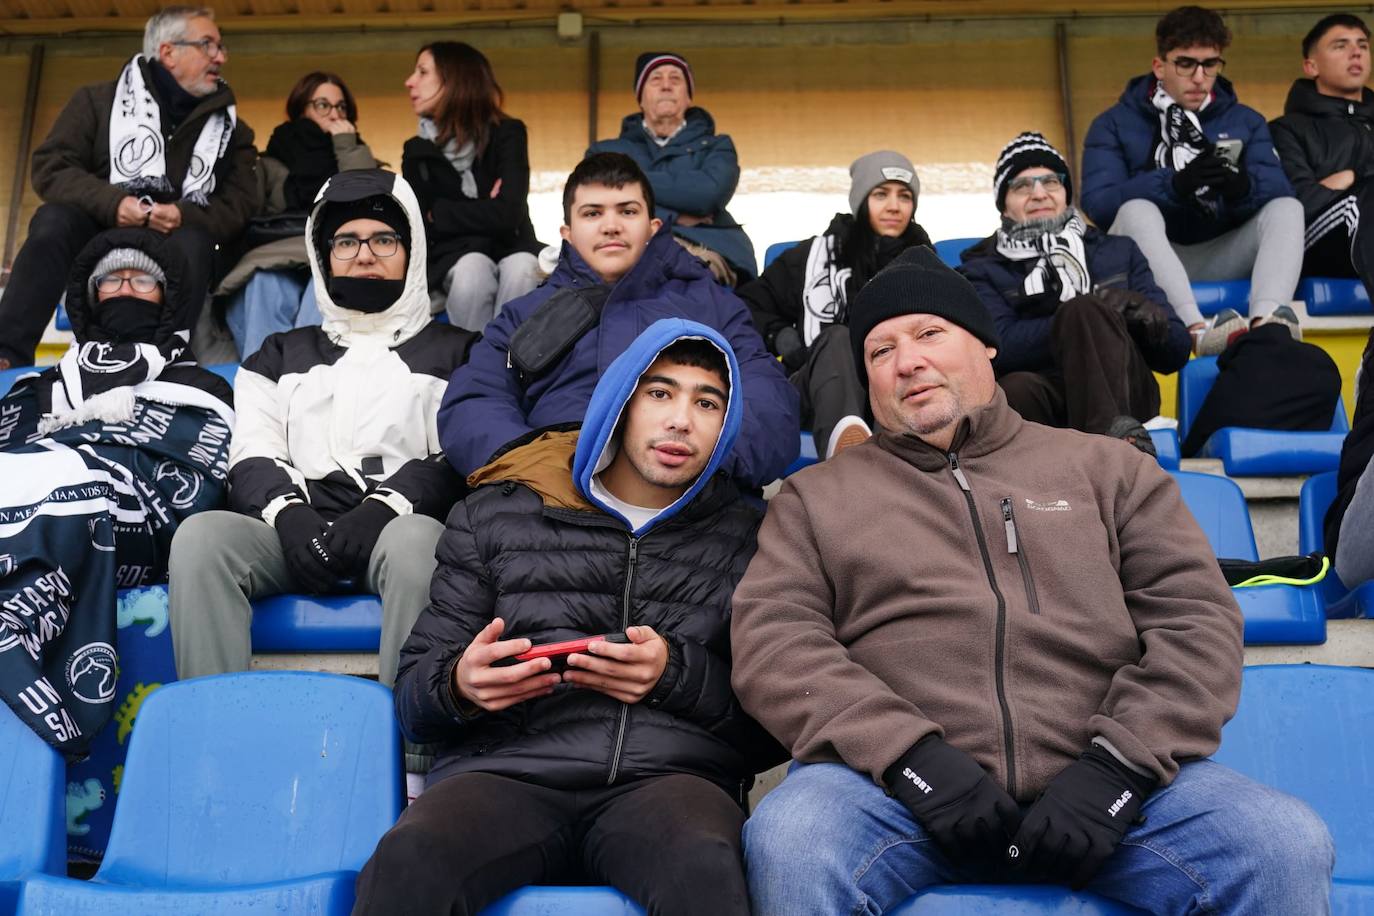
x: 1013, y: 546
x: 1001, y: 649
x: 624, y: 622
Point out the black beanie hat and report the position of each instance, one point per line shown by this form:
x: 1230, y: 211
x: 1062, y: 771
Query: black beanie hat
x: 917, y: 282
x: 381, y: 207
x: 1028, y: 151
x: 650, y: 61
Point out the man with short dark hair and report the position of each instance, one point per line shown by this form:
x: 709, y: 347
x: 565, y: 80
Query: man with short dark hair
x: 1190, y: 174
x: 693, y: 169
x: 1033, y: 653
x: 619, y: 270
x: 1326, y: 147
x: 162, y: 146
x: 627, y: 761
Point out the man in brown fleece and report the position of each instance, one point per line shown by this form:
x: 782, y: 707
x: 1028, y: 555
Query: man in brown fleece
x: 999, y: 651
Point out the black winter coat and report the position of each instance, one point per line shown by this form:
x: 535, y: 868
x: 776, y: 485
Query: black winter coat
x: 1320, y: 135
x: 555, y: 574
x: 456, y: 225
x: 1356, y: 452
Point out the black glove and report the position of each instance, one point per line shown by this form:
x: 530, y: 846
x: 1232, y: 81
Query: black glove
x: 967, y: 814
x: 787, y: 343
x: 1208, y: 170
x: 1076, y: 823
x: 1235, y: 184
x: 301, y: 531
x: 1146, y: 321
x: 353, y: 535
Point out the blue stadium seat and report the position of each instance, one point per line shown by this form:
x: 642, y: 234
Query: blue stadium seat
x: 317, y: 623
x: 1274, y: 614
x: 1327, y: 296
x: 1009, y: 900
x: 564, y: 901
x: 9, y: 376
x: 806, y: 457
x: 61, y: 320
x: 32, y: 802
x: 1318, y: 492
x: 244, y: 793
x: 948, y: 250
x: 1305, y: 730
x: 1215, y: 295
x: 226, y: 371
x: 775, y: 249
x: 1166, y: 448
x: 1248, y: 452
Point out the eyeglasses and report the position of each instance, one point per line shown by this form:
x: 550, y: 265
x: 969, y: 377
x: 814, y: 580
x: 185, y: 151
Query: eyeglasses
x: 1023, y: 185
x: 208, y: 46
x: 1187, y: 66
x: 324, y: 107
x: 139, y: 283
x: 382, y: 245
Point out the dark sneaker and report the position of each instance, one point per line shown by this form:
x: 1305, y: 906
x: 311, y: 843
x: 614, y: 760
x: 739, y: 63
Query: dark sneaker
x: 1133, y: 432
x: 1285, y: 316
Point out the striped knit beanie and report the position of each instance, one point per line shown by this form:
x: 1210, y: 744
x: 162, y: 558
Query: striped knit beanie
x: 1025, y: 152
x: 650, y: 61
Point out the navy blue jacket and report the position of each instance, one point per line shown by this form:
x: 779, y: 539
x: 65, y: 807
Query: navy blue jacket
x: 695, y: 172
x: 1118, y: 163
x: 486, y: 408
x: 1113, y: 261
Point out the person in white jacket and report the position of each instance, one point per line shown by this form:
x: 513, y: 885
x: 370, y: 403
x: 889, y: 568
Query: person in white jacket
x: 337, y: 481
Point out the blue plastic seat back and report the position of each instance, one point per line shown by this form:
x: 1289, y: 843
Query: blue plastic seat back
x: 564, y: 901
x: 1219, y: 506
x: 948, y: 250
x: 317, y: 623
x: 1318, y: 492
x: 775, y: 249
x: 252, y: 778
x: 226, y: 371
x: 9, y: 376
x: 33, y: 826
x: 1195, y: 381
x: 1334, y: 296
x: 1166, y: 448
x: 1215, y: 295
x: 806, y: 456
x: 62, y: 321
x: 1305, y: 730
x: 1009, y: 900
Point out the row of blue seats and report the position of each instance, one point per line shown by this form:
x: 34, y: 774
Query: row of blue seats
x: 266, y: 793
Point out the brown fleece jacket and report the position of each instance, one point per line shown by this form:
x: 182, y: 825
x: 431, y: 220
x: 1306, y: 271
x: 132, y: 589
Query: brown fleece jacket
x: 72, y: 165
x: 1085, y: 602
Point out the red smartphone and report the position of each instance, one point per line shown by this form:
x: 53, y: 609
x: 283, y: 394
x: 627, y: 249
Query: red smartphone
x: 559, y: 651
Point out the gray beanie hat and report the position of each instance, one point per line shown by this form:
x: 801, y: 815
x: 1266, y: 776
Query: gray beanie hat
x: 122, y: 259
x: 867, y: 172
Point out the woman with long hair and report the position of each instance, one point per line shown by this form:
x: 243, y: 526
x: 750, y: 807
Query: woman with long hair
x: 470, y: 167
x: 269, y: 289
x: 801, y: 302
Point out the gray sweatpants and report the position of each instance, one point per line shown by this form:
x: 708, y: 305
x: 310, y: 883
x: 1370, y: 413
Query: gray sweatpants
x: 1355, y: 550
x: 222, y: 560
x: 1267, y: 248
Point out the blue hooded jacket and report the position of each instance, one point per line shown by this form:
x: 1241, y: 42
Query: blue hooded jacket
x: 694, y: 172
x: 595, y: 445
x: 1118, y: 163
x: 485, y: 408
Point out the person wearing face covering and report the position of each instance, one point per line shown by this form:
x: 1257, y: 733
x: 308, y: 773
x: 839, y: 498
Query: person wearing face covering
x: 102, y: 458
x: 337, y: 481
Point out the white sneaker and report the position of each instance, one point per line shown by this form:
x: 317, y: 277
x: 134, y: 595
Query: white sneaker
x: 851, y: 430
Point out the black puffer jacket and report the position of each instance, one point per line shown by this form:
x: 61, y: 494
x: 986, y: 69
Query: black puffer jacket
x: 1320, y: 135
x: 557, y: 573
x: 1356, y: 452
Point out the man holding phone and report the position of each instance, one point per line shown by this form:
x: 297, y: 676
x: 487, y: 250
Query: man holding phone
x: 630, y: 766
x: 1327, y: 148
x: 1190, y: 174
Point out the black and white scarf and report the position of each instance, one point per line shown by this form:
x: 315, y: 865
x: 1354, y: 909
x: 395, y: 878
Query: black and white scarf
x: 824, y: 288
x: 1061, y: 267
x: 96, y: 380
x: 138, y: 153
x: 460, y: 157
x: 1181, y: 139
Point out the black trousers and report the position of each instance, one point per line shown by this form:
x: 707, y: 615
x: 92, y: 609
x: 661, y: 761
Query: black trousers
x: 1346, y: 247
x: 1098, y: 373
x: 670, y: 842
x: 57, y: 233
x: 829, y: 384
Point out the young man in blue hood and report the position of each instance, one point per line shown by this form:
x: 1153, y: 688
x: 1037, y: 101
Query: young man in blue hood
x: 619, y: 271
x: 628, y: 763
x: 1190, y: 174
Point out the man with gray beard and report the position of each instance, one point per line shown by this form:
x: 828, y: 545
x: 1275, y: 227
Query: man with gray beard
x: 1083, y: 325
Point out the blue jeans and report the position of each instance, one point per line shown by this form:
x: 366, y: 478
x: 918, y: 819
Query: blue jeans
x: 271, y: 301
x: 828, y: 841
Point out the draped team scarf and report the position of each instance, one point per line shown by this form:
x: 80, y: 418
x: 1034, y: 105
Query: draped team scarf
x: 823, y: 290
x: 460, y: 157
x: 96, y: 380
x: 1181, y: 139
x: 1062, y: 265
x: 138, y: 154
